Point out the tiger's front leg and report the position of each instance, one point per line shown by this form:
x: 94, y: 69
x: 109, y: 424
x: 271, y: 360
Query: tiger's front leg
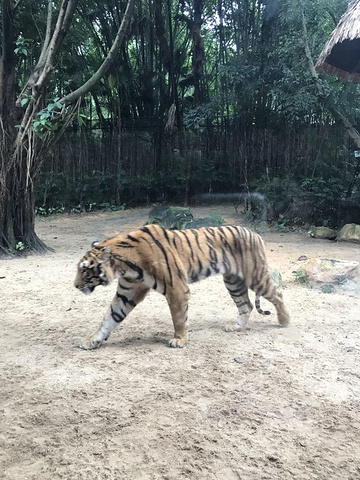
x: 126, y: 298
x: 178, y: 300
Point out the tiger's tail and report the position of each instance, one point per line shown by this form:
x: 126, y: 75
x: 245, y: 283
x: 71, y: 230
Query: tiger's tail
x: 258, y: 308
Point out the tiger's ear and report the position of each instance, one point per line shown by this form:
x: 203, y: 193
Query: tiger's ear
x: 95, y: 243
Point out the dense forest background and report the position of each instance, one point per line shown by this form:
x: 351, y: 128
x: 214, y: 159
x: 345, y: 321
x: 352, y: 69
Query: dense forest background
x: 204, y: 96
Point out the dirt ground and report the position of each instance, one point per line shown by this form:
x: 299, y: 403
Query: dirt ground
x: 288, y: 408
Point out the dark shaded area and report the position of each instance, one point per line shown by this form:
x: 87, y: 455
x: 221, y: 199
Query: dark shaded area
x: 346, y: 56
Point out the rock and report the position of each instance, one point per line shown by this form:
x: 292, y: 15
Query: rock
x: 275, y: 276
x: 181, y: 218
x: 328, y: 288
x: 240, y: 360
x: 212, y: 220
x: 170, y: 217
x: 349, y: 233
x: 325, y: 270
x: 323, y: 232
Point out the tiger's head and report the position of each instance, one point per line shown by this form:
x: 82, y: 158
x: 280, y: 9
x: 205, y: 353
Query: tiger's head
x: 94, y: 269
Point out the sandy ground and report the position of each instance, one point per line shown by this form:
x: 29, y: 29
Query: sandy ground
x: 288, y: 408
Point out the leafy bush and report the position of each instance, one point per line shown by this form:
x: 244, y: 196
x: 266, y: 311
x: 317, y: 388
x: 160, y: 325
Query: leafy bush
x: 57, y: 193
x: 317, y: 200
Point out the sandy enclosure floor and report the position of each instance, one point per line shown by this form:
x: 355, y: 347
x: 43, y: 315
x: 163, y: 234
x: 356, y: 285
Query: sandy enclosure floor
x: 136, y: 409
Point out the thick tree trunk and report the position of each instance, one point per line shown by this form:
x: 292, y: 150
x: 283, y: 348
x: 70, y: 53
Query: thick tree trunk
x: 17, y: 222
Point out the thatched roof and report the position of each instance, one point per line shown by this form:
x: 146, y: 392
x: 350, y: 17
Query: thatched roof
x: 341, y: 54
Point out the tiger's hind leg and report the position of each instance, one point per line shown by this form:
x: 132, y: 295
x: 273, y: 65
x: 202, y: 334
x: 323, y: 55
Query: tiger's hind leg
x: 178, y: 300
x: 239, y: 293
x: 126, y: 298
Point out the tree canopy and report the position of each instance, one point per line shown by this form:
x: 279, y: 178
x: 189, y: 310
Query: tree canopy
x: 199, y: 96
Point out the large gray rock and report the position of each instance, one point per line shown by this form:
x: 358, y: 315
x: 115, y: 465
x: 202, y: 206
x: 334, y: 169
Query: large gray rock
x: 323, y: 270
x: 323, y: 232
x: 349, y: 233
x: 181, y: 218
x: 276, y: 276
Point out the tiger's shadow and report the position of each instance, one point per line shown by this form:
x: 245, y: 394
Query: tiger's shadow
x: 163, y: 337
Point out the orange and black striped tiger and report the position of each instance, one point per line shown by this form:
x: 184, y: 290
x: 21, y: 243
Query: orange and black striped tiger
x: 167, y: 261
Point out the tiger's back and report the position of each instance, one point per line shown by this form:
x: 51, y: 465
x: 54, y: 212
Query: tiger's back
x: 167, y: 261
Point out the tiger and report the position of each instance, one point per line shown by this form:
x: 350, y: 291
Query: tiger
x: 167, y: 261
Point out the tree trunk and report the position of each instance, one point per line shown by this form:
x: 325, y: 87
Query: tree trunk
x: 16, y: 197
x: 198, y: 53
x: 20, y: 156
x: 17, y: 224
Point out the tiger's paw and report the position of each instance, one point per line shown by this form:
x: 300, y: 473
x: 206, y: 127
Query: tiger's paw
x: 89, y: 343
x: 284, y: 321
x: 235, y: 328
x: 177, y: 342
x: 284, y: 318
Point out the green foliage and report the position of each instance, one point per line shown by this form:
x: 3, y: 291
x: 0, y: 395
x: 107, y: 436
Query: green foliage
x: 314, y: 200
x: 300, y: 276
x: 22, y: 47
x: 325, y: 196
x: 20, y: 247
x: 46, y: 119
x: 57, y: 193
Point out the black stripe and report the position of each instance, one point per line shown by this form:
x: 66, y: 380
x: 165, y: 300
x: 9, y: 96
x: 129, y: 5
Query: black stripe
x: 155, y: 284
x: 125, y: 245
x: 166, y: 235
x: 196, y: 235
x: 194, y: 277
x: 190, y: 246
x: 126, y: 300
x: 174, y: 239
x: 135, y: 268
x: 124, y: 288
x: 116, y: 316
x: 146, y: 230
x: 235, y: 282
x: 242, y: 304
x: 133, y: 239
x: 225, y: 241
x: 237, y: 295
x: 180, y: 273
x: 213, y: 258
x: 226, y: 262
x: 237, y: 290
x: 164, y: 292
